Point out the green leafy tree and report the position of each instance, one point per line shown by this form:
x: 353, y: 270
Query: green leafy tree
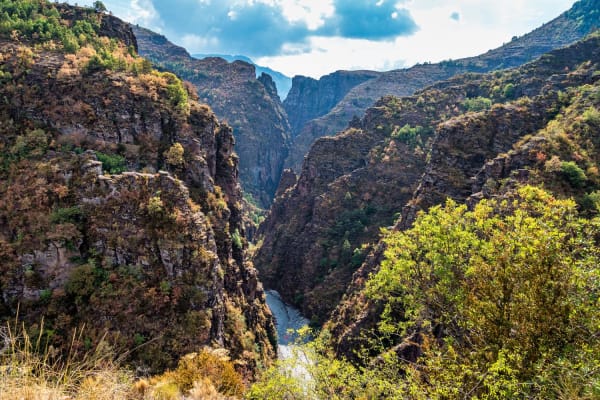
x: 99, y: 6
x: 174, y: 155
x: 507, y: 295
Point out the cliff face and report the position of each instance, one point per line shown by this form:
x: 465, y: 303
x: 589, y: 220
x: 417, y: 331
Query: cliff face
x: 404, y: 155
x: 93, y: 235
x: 250, y: 105
x: 571, y: 26
x: 310, y: 98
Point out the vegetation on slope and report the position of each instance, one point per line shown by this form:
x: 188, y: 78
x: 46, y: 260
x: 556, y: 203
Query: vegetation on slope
x: 90, y: 233
x: 412, y: 153
x: 499, y: 302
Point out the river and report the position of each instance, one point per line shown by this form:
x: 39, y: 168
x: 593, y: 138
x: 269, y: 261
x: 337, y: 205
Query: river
x: 286, y: 318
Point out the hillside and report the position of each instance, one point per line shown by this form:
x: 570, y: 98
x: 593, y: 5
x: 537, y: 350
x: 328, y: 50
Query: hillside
x: 249, y: 104
x: 569, y: 27
x: 404, y: 155
x: 119, y: 200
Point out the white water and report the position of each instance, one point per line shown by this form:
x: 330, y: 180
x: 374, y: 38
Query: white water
x: 287, y: 320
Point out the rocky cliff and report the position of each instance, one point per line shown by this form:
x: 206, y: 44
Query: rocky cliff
x: 250, y: 105
x: 406, y: 154
x: 119, y: 202
x: 569, y: 27
x: 310, y: 98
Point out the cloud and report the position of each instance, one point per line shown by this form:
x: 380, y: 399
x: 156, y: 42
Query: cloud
x: 261, y: 28
x: 455, y: 16
x: 369, y: 19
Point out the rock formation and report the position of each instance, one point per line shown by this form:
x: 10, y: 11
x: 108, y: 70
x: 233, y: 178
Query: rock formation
x: 250, y: 105
x: 404, y: 155
x: 120, y: 205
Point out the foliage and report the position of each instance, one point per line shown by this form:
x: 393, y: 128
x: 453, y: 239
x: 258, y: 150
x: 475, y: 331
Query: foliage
x: 174, y: 155
x: 411, y: 135
x: 309, y: 371
x: 477, y: 104
x: 209, y: 369
x: 574, y: 174
x: 177, y: 93
x: 155, y: 206
x: 507, y: 294
x: 99, y: 6
x: 30, y: 370
x: 112, y: 163
x: 40, y: 21
x: 236, y: 239
x: 33, y: 144
x: 509, y: 91
x: 67, y: 214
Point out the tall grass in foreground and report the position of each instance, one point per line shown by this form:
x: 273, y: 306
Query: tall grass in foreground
x: 32, y: 370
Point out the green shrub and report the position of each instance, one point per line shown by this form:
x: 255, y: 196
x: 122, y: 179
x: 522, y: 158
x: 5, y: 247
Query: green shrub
x: 505, y: 295
x: 477, y: 104
x: 574, y: 174
x: 68, y: 214
x: 236, y: 239
x: 509, y: 91
x: 411, y: 135
x: 112, y: 163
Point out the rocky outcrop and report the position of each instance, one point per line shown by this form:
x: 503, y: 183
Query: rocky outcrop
x: 571, y: 26
x: 250, y: 105
x: 120, y: 210
x: 404, y: 155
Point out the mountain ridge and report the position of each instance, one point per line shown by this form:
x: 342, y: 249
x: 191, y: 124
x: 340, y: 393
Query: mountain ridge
x: 570, y: 26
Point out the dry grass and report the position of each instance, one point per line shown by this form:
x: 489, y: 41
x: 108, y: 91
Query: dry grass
x: 30, y: 370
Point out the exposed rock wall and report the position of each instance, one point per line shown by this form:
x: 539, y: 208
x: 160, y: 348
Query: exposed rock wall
x: 250, y: 105
x: 404, y: 155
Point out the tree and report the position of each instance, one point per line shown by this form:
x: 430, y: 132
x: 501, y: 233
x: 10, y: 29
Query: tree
x: 99, y: 6
x: 507, y: 294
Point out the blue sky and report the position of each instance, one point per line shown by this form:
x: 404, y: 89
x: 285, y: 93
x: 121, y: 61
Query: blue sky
x: 315, y: 37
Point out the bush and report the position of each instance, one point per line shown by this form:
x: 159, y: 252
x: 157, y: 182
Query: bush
x: 174, y: 155
x: 64, y: 215
x: 112, y: 163
x: 573, y: 173
x: 505, y: 296
x: 477, y: 104
x: 509, y: 91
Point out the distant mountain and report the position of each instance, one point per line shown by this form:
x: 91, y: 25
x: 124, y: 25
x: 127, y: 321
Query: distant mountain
x: 283, y: 82
x: 313, y: 98
x: 566, y: 29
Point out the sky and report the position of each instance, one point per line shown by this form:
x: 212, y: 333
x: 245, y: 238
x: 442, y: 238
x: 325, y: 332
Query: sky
x: 317, y: 37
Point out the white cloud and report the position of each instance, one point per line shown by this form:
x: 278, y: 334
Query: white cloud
x: 482, y: 25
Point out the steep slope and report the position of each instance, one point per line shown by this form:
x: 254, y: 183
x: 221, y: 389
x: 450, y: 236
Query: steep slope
x: 283, y: 82
x: 550, y: 140
x: 310, y: 98
x: 360, y: 180
x: 91, y: 235
x: 569, y: 27
x: 250, y: 105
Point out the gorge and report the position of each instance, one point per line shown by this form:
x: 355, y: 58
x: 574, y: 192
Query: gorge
x: 436, y: 227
